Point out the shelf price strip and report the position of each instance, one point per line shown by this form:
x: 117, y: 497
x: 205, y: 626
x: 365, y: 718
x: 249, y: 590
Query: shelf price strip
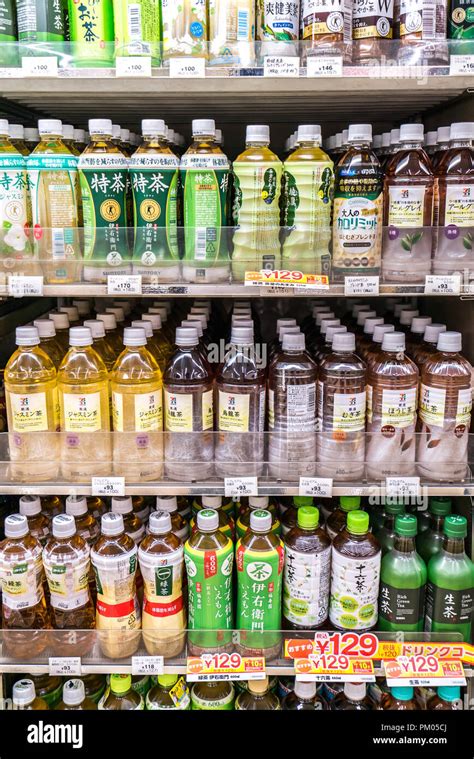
x: 423, y: 671
x: 284, y: 278
x: 64, y: 666
x: 335, y: 668
x: 224, y: 666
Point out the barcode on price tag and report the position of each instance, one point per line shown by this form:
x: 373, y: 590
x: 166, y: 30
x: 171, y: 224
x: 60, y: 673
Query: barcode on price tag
x: 461, y: 64
x: 402, y: 486
x: 361, y: 285
x: 316, y: 486
x: 19, y: 286
x: 281, y: 65
x: 108, y: 486
x: 148, y: 665
x: 44, y: 65
x: 443, y: 284
x: 324, y: 66
x: 189, y: 68
x: 128, y: 284
x: 64, y: 666
x: 240, y: 486
x: 133, y: 65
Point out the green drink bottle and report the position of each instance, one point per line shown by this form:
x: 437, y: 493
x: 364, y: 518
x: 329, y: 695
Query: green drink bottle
x: 40, y: 21
x: 402, y: 581
x: 430, y: 542
x: 449, y: 597
x: 386, y: 534
x: 92, y: 33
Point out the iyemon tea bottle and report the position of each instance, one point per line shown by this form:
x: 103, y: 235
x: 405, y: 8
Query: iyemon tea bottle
x: 226, y: 521
x: 256, y: 502
x: 169, y: 692
x: 24, y: 696
x: 257, y: 174
x: 121, y: 696
x: 74, y: 697
x: 205, y: 181
x: 257, y: 697
x: 15, y: 210
x: 213, y: 696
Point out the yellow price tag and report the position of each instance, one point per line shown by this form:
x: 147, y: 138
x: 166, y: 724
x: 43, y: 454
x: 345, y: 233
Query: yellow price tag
x: 224, y: 666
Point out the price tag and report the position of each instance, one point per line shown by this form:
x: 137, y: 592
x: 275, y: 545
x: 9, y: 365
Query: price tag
x: 423, y: 671
x: 66, y: 666
x: 240, y: 486
x: 281, y: 65
x: 402, y: 486
x: 128, y: 284
x: 284, y: 278
x: 335, y: 668
x: 324, y: 66
x: 316, y: 486
x: 361, y: 285
x: 108, y: 486
x: 44, y: 65
x: 188, y: 68
x: 225, y: 666
x: 148, y: 665
x: 133, y: 65
x: 19, y: 286
x: 442, y: 284
x: 461, y: 64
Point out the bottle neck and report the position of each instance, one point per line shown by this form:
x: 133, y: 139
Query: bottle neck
x: 104, y: 138
x: 460, y: 144
x: 411, y: 145
x: 359, y: 144
x: 437, y: 522
x: 453, y: 545
x: 204, y: 138
x: 308, y: 144
x: 404, y: 544
x: 252, y: 144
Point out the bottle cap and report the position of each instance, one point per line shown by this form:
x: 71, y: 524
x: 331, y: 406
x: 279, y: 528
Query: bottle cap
x: 27, y: 336
x: 195, y: 326
x: 80, y: 336
x: 406, y: 525
x: 31, y: 134
x: 159, y: 522
x: 71, y: 311
x: 462, y: 130
x: 305, y: 690
x: 45, y: 327
x: 259, y: 133
x: 134, y: 336
x: 449, y: 692
x: 343, y: 342
x: 120, y: 684
x: 152, y: 127
x: 30, y: 505
x: 324, y: 315
x: 211, y: 502
x: 432, y: 332
x: 24, y: 692
x: 143, y: 325
x: 61, y: 321
x: 219, y: 138
x: 362, y: 317
x: 319, y: 310
x: 357, y: 522
x: 202, y: 320
x: 258, y: 501
x: 380, y: 330
x: 394, y: 137
x: 68, y: 131
x: 431, y: 138
x: 286, y: 323
x: 345, y: 136
x: 124, y: 135
x: 294, y: 342
x: 101, y: 127
x: 16, y: 526
x: 79, y: 135
x: 326, y: 323
x: 16, y: 131
x: 260, y: 520
x: 455, y: 526
x: 359, y: 133
x: 74, y: 692
x: 122, y: 504
x: 118, y: 312
x: 96, y: 326
x: 285, y: 331
x: 242, y: 336
x: 159, y: 308
x: 167, y: 503
x: 50, y: 126
x: 4, y: 128
x: 258, y: 686
x: 371, y: 323
x: 308, y: 517
x: 412, y: 133
x: 332, y: 331
x: 76, y: 505
x: 127, y: 309
x: 338, y: 138
x: 386, y: 140
x: 111, y: 524
x: 349, y: 502
x: 302, y: 500
x: 442, y: 135
x: 440, y: 506
x: 402, y: 692
x: 407, y: 315
x: 395, y: 507
x: 355, y: 691
x: 116, y: 131
x: 187, y: 336
x: 207, y: 520
x: 450, y: 342
x: 309, y: 133
x: 419, y: 324
x: 377, y: 141
x: 358, y: 307
x: 205, y: 127
x: 167, y: 681
x: 109, y: 320
x: 64, y: 526
x: 394, y: 342
x: 154, y: 319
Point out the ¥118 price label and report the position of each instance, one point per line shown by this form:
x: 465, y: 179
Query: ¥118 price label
x: 133, y: 66
x: 442, y: 284
x: 124, y: 284
x: 64, y: 666
x: 240, y: 486
x: 24, y: 287
x: 108, y: 486
x: 224, y: 666
x: 43, y: 65
x: 148, y: 665
x: 187, y: 68
x: 316, y: 486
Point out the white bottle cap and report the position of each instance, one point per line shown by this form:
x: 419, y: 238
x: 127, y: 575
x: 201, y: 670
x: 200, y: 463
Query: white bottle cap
x: 206, y: 127
x: 45, y: 327
x: 358, y: 307
x: 192, y: 324
x: 359, y: 133
x: 294, y: 342
x: 159, y: 309
x: 380, y: 330
x: 97, y: 328
x: 134, y: 336
x: 338, y: 140
x: 286, y: 323
x: 386, y: 140
x: 258, y: 501
x: 31, y: 134
x: 260, y: 520
x: 207, y: 520
x: 124, y: 135
x: 344, y: 342
x: 167, y: 503
x: 152, y: 127
x: 431, y: 138
x: 242, y: 336
x: 284, y: 331
x: 122, y: 505
x: 64, y: 526
x: 74, y: 692
x: 362, y: 316
x: 71, y: 311
x: 259, y: 133
x: 393, y: 342
x: 332, y: 331
x: 443, y: 134
x: 101, y: 127
x: 345, y: 136
x: 154, y: 319
x: 371, y: 323
x: 324, y: 315
x: 377, y: 141
x: 79, y: 336
x: 30, y: 505
x: 462, y: 130
x: 16, y: 526
x: 76, y: 505
x: 118, y: 312
x: 24, y: 693
x: 187, y: 336
x: 394, y: 137
x: 125, y: 305
x: 432, y: 332
x: 50, y: 126
x: 407, y: 315
x: 111, y: 524
x: 419, y: 324
x: 79, y: 135
x: 16, y: 131
x: 211, y: 502
x: 110, y: 322
x: 159, y: 523
x: 68, y: 131
x: 4, y: 128
x: 200, y: 318
x: 412, y: 133
x: 145, y: 326
x: 116, y: 131
x: 355, y: 691
x: 450, y: 342
x: 309, y: 133
x: 61, y: 321
x: 305, y: 689
x: 27, y: 336
x: 326, y: 323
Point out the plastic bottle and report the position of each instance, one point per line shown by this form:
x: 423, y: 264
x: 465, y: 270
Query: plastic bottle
x: 258, y: 697
x: 447, y: 698
x: 161, y: 561
x: 51, y: 506
x: 370, y: 353
x: 189, y: 410
x: 226, y: 522
x: 427, y: 346
x: 392, y: 387
x: 118, y: 617
x: 354, y: 697
x: 84, y: 402
x: 17, y: 135
x: 355, y: 576
x: 24, y: 696
x: 179, y: 525
x: 137, y: 29
x: 304, y: 698
x: 101, y: 345
x: 134, y: 527
x: 213, y: 696
x: 49, y: 689
x: 231, y: 33
x: 400, y: 699
x: 256, y: 502
x: 48, y: 342
x: 337, y: 521
x: 119, y: 314
x: 31, y: 401
x: 327, y: 28
x: 364, y: 341
x: 87, y: 526
x: 430, y: 542
x: 8, y: 35
x: 74, y: 697
x: 229, y: 505
x: 205, y: 181
x: 257, y: 174
x: 151, y: 343
x: 445, y: 411
x: 306, y: 573
x: 38, y: 524
x: 278, y: 28
x: 450, y: 589
x: 121, y: 696
x: 417, y: 331
x: 259, y: 557
x: 341, y: 411
x: 92, y: 33
x: 61, y: 325
x: 112, y: 335
x: 14, y: 202
x: 209, y: 559
x: 385, y: 532
x: 170, y: 692
x: 289, y: 516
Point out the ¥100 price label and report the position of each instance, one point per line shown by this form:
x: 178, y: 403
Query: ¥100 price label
x: 423, y: 671
x: 318, y: 487
x: 187, y: 68
x: 443, y: 284
x: 224, y: 666
x: 108, y: 486
x: 64, y: 666
x: 148, y: 665
x: 124, y: 284
x: 24, y: 287
x: 402, y: 487
x: 133, y: 66
x: 240, y: 486
x: 44, y: 65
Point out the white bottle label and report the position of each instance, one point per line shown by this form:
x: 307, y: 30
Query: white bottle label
x: 208, y: 410
x: 354, y: 591
x: 82, y: 412
x: 22, y: 580
x: 432, y: 405
x: 406, y: 206
x: 178, y: 412
x: 148, y: 412
x: 463, y: 411
x: 163, y: 606
x: 234, y: 412
x: 459, y: 205
x: 306, y: 586
x: 68, y: 583
x: 399, y: 407
x: 349, y: 411
x: 29, y: 412
x: 117, y: 605
x: 301, y: 407
x: 13, y: 204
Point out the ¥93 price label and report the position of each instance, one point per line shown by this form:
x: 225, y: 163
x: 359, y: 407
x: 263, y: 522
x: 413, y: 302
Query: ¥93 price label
x: 148, y: 665
x: 108, y: 486
x: 423, y: 671
x: 240, y: 486
x: 64, y: 666
x: 124, y: 284
x: 224, y: 666
x: 317, y: 487
x: 442, y: 284
x: 402, y: 487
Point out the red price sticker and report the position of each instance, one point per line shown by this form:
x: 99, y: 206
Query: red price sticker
x: 224, y: 666
x: 347, y: 644
x: 423, y: 671
x: 334, y: 668
x: 285, y: 278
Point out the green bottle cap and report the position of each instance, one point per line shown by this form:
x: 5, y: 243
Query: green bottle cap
x: 455, y: 526
x: 167, y: 680
x: 402, y: 692
x: 349, y: 502
x: 406, y: 525
x: 395, y: 508
x: 302, y: 500
x: 440, y: 506
x: 308, y: 517
x: 449, y: 692
x: 120, y: 684
x: 358, y: 522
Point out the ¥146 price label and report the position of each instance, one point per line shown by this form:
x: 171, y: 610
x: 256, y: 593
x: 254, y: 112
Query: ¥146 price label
x: 316, y: 486
x: 108, y: 486
x: 128, y: 284
x: 148, y: 665
x: 240, y: 486
x: 224, y: 666
x: 64, y: 666
x: 324, y: 66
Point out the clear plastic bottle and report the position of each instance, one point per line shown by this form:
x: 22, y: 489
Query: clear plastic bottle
x: 134, y: 527
x: 385, y: 532
x: 392, y: 389
x: 96, y: 507
x: 354, y: 697
x: 213, y: 696
x: 51, y: 506
x: 226, y: 521
x: 447, y: 698
x: 151, y: 344
x: 61, y: 325
x: 292, y: 411
x: 73, y: 315
x: 24, y: 696
x: 48, y: 688
x: 101, y: 345
x: 304, y: 698
x: 38, y: 524
x: 258, y: 697
x: 443, y: 139
x: 189, y: 410
x: 163, y: 344
x: 170, y: 692
x: 370, y: 353
x: 400, y: 699
x: 337, y: 521
x: 74, y: 697
x: 87, y: 526
x: 48, y: 341
x: 341, y: 411
x: 364, y: 341
x: 445, y: 411
x: 121, y: 696
x: 427, y: 346
x: 179, y: 525
x: 15, y: 208
x: 112, y: 335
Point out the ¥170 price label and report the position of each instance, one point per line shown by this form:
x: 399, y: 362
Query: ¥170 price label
x: 240, y: 486
x: 120, y: 284
x: 423, y: 671
x: 148, y: 665
x: 64, y: 666
x: 317, y: 487
x: 108, y: 486
x: 225, y: 666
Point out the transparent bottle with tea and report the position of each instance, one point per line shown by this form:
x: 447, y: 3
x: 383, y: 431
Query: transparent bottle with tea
x: 401, y: 699
x: 38, y: 524
x: 213, y: 696
x: 258, y: 697
x: 24, y: 696
x: 170, y: 692
x: 121, y: 696
x: 74, y: 697
x: 353, y: 697
x: 48, y: 341
x: 304, y: 698
x: 133, y: 525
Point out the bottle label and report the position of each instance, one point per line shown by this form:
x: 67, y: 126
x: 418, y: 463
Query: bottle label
x: 354, y: 591
x: 349, y: 412
x: 210, y: 589
x: 406, y: 206
x: 373, y: 19
x: 185, y: 28
x: 92, y: 26
x: 399, y: 407
x: 420, y: 17
x: 148, y: 412
x: 463, y: 411
x: 223, y: 704
x: 7, y: 21
x: 300, y: 407
x: 432, y: 405
x: 29, y: 412
x: 117, y: 604
x: 82, y: 413
x: 22, y: 581
x: 461, y: 20
x: 14, y: 205
x: 68, y: 583
x: 357, y: 229
x: 208, y: 410
x: 404, y: 606
x: 234, y: 412
x: 179, y: 412
x: 154, y: 180
x: 278, y: 21
x: 54, y: 188
x: 136, y: 23
x: 318, y: 19
x: 459, y: 206
x: 40, y: 22
x: 259, y: 586
x: 306, y: 587
x: 163, y: 607
x: 448, y: 607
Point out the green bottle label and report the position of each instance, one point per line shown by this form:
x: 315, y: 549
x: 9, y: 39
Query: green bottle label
x: 7, y: 21
x: 92, y: 32
x: 445, y: 606
x: 14, y: 206
x: 137, y: 28
x: 401, y: 606
x: 52, y: 697
x: 154, y: 181
x: 259, y: 586
x: 141, y: 686
x: 222, y: 704
x: 40, y: 20
x: 461, y: 21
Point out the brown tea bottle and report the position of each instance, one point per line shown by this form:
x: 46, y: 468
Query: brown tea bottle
x: 38, y: 524
x: 400, y: 699
x: 258, y: 697
x: 24, y: 696
x: 447, y: 699
x: 428, y: 344
x: 354, y: 697
x: 303, y: 698
x: 337, y: 521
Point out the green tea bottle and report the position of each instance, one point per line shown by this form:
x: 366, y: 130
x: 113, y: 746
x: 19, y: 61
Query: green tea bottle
x: 92, y: 33
x: 450, y: 590
x: 213, y: 696
x: 386, y: 534
x: 402, y: 581
x: 121, y: 696
x: 137, y: 26
x: 14, y: 202
x: 40, y: 21
x: 256, y: 502
x: 447, y: 699
x: 170, y: 692
x: 430, y: 542
x: 8, y: 34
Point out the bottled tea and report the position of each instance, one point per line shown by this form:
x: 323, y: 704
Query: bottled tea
x: 353, y: 697
x: 24, y: 696
x: 213, y: 696
x: 74, y: 697
x: 304, y: 698
x: 447, y: 699
x: 400, y: 699
x: 430, y: 542
x: 385, y: 532
x: 39, y: 525
x: 170, y: 692
x: 257, y: 697
x: 337, y: 520
x: 121, y: 696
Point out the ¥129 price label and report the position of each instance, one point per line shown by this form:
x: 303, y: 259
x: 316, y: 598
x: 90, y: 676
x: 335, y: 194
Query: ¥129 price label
x: 317, y: 487
x: 148, y: 665
x: 43, y: 65
x: 361, y: 285
x: 224, y: 666
x: 335, y: 668
x: 324, y: 66
x: 124, y: 284
x: 442, y: 284
x: 240, y: 486
x: 423, y: 671
x: 108, y: 486
x: 133, y: 66
x: 285, y: 278
x: 402, y: 486
x: 24, y: 287
x: 64, y: 666
x: 187, y: 68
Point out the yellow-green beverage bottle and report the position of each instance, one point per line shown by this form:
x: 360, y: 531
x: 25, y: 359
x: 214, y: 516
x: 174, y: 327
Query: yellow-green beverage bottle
x: 307, y: 204
x: 112, y: 335
x: 24, y: 696
x: 74, y: 697
x: 121, y: 696
x: 137, y: 27
x: 170, y: 692
x: 73, y: 315
x: 17, y: 135
x: 92, y: 33
x: 48, y: 340
x: 257, y: 697
x: 257, y: 174
x: 68, y: 139
x: 213, y: 696
x: 83, y: 387
x: 61, y: 325
x: 100, y: 343
x: 54, y: 188
x: 14, y: 204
